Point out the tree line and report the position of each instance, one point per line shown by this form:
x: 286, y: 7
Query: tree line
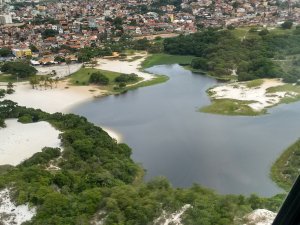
x: 97, y: 179
x: 220, y: 53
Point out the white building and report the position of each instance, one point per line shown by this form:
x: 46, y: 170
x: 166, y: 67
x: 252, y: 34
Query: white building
x: 5, y: 19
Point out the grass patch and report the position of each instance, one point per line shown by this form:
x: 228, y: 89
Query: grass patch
x: 290, y: 88
x: 254, y: 83
x: 82, y: 77
x: 7, y: 78
x: 240, y: 32
x: 10, y: 78
x: 157, y: 80
x: 231, y: 107
x: 284, y: 88
x: 286, y: 168
x: 134, y: 58
x: 165, y: 59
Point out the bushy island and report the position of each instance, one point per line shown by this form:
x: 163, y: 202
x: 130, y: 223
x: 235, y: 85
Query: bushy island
x: 97, y: 180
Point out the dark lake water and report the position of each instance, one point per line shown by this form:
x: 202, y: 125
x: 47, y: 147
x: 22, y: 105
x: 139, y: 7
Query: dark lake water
x: 170, y: 137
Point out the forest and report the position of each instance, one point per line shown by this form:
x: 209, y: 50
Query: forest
x: 98, y: 179
x: 221, y: 54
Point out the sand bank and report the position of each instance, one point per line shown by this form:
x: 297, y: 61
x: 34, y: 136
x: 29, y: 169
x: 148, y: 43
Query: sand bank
x: 20, y: 141
x: 58, y: 99
x: 239, y: 91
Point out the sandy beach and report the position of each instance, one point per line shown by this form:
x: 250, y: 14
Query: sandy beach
x: 65, y: 96
x: 240, y: 91
x: 20, y: 141
x: 58, y: 99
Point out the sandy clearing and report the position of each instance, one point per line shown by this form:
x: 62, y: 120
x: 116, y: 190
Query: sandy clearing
x: 260, y: 217
x: 239, y: 91
x: 116, y: 65
x: 12, y: 214
x: 20, y: 141
x: 61, y: 70
x: 58, y: 99
x: 172, y: 219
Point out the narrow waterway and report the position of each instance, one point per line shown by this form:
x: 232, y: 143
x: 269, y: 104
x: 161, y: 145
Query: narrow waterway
x: 170, y: 137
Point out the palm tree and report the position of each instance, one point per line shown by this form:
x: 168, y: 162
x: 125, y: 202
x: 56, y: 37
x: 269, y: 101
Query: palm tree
x: 10, y: 85
x: 34, y: 81
x: 54, y: 73
x: 10, y: 88
x: 68, y: 62
x: 51, y: 82
x: 56, y: 81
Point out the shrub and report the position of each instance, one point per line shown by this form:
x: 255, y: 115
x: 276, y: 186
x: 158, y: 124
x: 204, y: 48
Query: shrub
x: 25, y: 119
x: 125, y: 78
x: 98, y: 78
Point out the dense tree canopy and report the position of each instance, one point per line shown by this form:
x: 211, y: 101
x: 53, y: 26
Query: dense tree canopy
x: 220, y: 53
x: 18, y: 68
x: 5, y: 52
x: 99, y: 78
x: 126, y: 78
x: 49, y: 33
x: 287, y: 25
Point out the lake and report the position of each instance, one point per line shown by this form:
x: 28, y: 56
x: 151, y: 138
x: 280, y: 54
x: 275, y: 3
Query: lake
x: 170, y: 137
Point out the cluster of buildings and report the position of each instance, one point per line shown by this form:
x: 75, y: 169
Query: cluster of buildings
x: 62, y: 27
x: 243, y: 12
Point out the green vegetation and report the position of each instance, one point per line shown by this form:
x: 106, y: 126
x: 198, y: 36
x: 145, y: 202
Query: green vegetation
x: 116, y: 81
x: 286, y: 168
x: 4, y: 52
x: 18, y: 69
x: 163, y: 59
x: 25, y: 119
x: 293, y: 90
x: 248, y: 51
x: 82, y: 77
x: 254, y: 83
x: 230, y: 107
x: 7, y: 78
x: 49, y: 33
x: 287, y: 25
x: 98, y: 78
x: 2, y: 93
x: 98, y: 179
x: 126, y: 78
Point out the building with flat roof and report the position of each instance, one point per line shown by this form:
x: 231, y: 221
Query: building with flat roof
x: 5, y: 19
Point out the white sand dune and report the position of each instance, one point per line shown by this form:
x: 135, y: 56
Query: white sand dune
x: 116, y: 65
x: 172, y: 218
x: 239, y: 91
x: 260, y: 217
x: 20, y: 141
x: 12, y: 214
